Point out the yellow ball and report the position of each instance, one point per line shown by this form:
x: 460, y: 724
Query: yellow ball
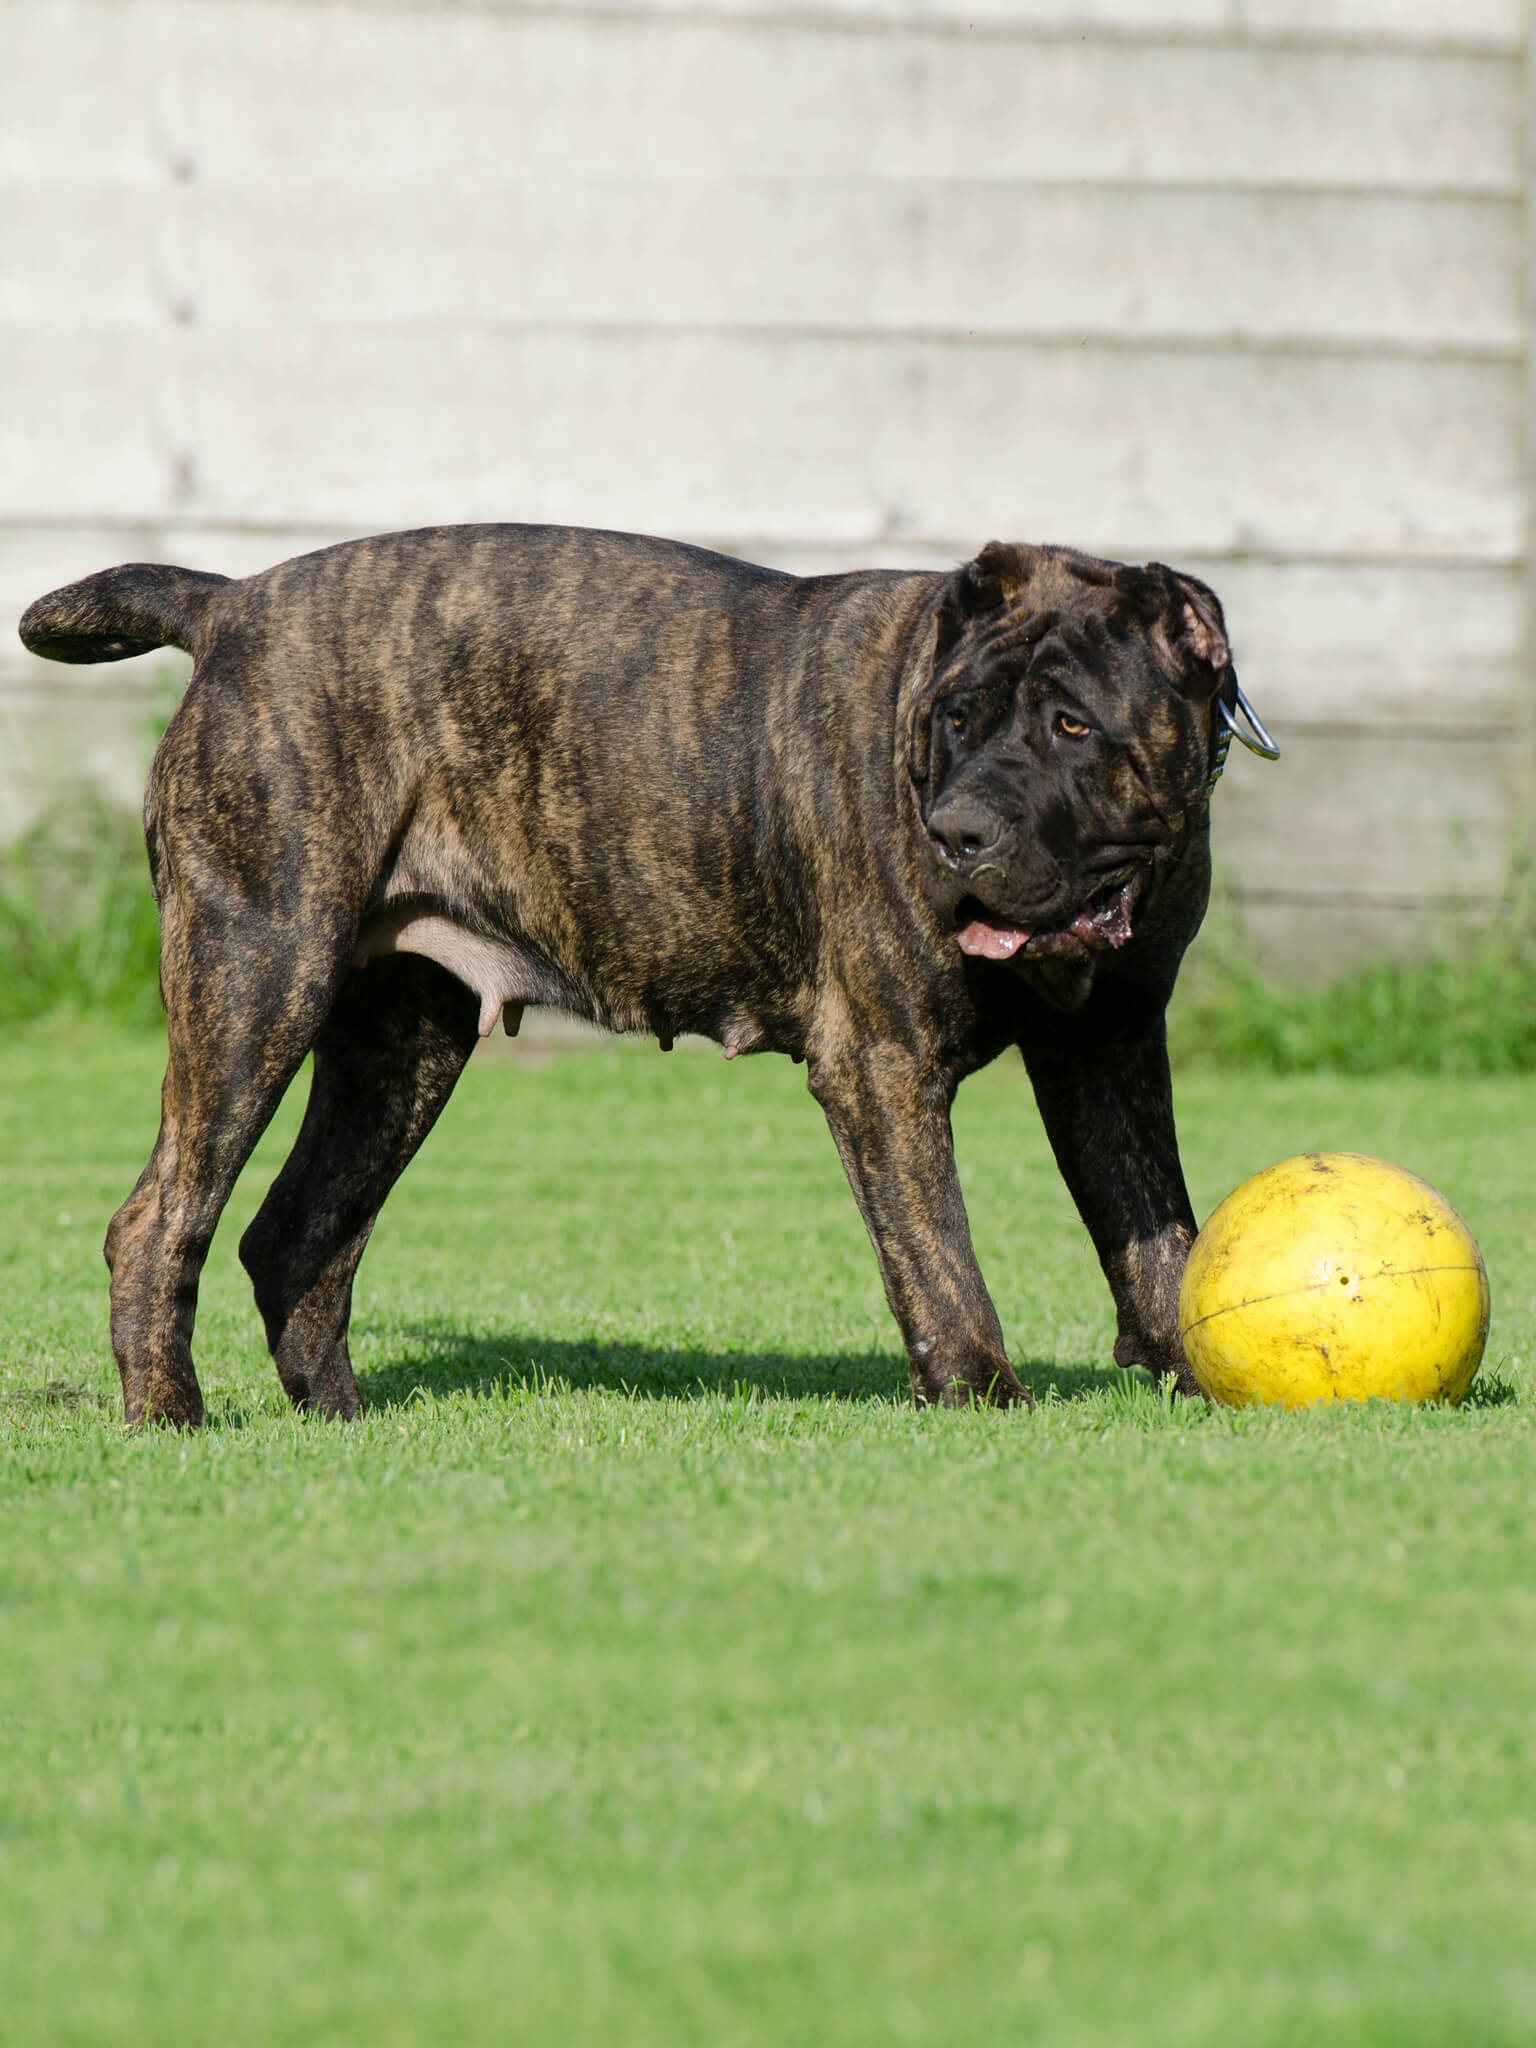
x: 1334, y: 1277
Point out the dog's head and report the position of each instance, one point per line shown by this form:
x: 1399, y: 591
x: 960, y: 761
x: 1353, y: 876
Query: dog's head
x: 1059, y: 729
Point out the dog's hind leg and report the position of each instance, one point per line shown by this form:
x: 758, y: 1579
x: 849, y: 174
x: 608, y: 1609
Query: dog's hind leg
x: 244, y: 997
x: 385, y: 1063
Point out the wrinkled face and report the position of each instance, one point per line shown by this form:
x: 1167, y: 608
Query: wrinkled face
x: 1061, y: 746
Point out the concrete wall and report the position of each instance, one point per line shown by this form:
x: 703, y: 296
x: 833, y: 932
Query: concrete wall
x: 1234, y: 283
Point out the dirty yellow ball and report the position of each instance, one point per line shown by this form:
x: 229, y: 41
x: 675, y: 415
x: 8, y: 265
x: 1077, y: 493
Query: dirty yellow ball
x: 1334, y: 1277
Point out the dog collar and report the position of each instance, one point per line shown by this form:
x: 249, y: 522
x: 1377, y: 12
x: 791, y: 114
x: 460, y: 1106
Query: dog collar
x: 1232, y: 705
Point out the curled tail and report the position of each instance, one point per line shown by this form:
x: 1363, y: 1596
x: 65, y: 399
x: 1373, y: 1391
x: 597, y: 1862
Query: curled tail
x: 119, y: 612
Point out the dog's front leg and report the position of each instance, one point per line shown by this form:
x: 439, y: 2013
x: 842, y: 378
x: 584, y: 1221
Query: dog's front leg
x: 890, y: 1118
x: 1101, y: 1080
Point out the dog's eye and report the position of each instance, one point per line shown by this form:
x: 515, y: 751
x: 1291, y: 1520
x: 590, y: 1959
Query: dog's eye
x: 957, y: 721
x: 1072, y: 728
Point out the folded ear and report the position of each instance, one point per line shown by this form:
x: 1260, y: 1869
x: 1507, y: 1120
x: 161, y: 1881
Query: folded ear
x: 1186, y: 629
x: 979, y: 593
x: 992, y: 583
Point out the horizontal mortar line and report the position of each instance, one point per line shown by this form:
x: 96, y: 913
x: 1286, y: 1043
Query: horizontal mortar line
x: 1385, y: 727
x: 744, y: 545
x: 877, y: 24
x: 1056, y: 341
x: 210, y: 187
x: 1228, y: 554
x: 1508, y: 355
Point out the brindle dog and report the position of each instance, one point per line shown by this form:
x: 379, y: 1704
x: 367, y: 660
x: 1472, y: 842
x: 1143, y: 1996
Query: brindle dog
x: 887, y: 823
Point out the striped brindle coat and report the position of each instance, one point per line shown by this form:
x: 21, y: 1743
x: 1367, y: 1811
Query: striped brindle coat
x: 887, y: 823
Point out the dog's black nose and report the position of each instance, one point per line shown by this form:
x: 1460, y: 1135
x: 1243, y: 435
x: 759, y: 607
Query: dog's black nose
x: 963, y: 827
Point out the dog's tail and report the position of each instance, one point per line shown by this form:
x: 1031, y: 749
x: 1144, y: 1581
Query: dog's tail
x: 119, y: 612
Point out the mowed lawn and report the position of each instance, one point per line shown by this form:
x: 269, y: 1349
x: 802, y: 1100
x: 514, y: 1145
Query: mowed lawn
x: 642, y: 1669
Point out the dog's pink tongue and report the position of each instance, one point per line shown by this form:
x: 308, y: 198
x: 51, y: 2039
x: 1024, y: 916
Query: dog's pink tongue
x: 991, y: 941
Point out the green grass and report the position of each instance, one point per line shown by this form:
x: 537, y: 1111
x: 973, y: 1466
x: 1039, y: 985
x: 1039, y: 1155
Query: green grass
x: 641, y: 1669
x: 1465, y: 1005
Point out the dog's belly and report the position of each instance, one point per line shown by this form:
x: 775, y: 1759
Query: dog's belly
x: 501, y: 974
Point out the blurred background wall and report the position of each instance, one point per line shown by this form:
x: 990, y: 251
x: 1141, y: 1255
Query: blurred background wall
x: 1239, y: 284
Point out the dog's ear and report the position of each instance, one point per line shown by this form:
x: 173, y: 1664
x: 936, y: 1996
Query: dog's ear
x: 979, y: 592
x: 994, y: 582
x: 1185, y: 627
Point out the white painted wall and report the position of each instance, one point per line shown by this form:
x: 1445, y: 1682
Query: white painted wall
x: 1233, y: 283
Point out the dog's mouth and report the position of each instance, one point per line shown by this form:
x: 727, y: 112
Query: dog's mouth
x: 1102, y: 925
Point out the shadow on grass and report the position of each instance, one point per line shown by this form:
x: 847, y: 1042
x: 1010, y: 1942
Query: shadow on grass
x: 444, y: 1360
x: 55, y: 1395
